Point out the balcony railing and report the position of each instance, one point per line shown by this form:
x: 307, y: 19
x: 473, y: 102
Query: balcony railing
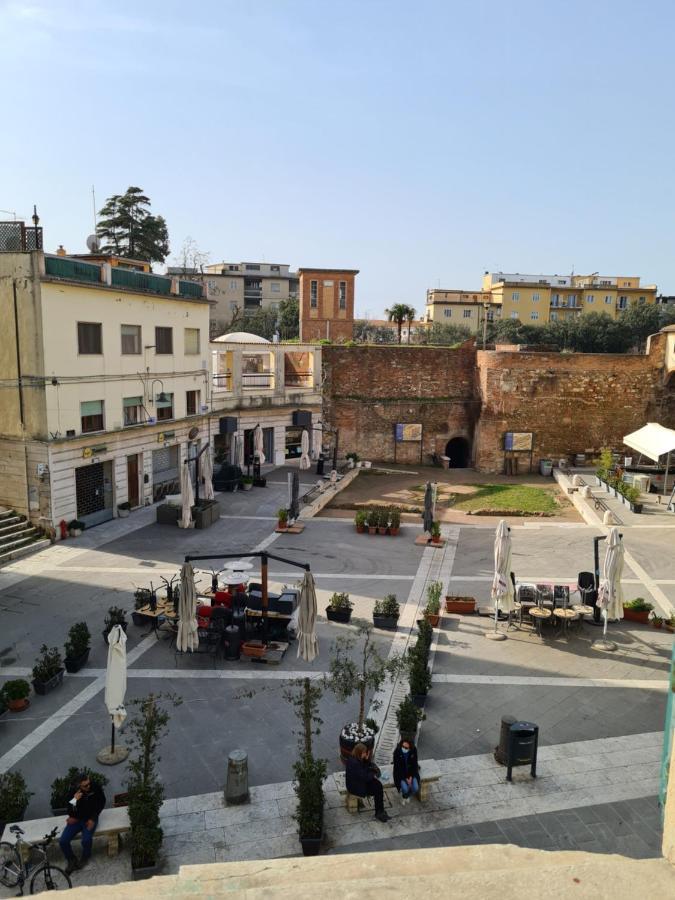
x: 73, y: 269
x: 223, y: 382
x: 299, y: 379
x: 252, y: 380
x: 141, y: 281
x: 190, y: 289
x: 17, y: 237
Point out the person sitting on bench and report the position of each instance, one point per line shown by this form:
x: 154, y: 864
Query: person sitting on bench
x: 84, y: 810
x: 362, y: 781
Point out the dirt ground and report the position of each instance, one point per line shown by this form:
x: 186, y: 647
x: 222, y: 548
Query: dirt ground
x: 396, y: 485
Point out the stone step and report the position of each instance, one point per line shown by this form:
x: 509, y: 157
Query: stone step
x: 32, y: 547
x: 17, y: 538
x: 16, y: 526
x: 7, y: 516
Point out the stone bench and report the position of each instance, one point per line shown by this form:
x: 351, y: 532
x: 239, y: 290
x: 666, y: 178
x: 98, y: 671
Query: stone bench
x: 429, y: 771
x: 111, y: 824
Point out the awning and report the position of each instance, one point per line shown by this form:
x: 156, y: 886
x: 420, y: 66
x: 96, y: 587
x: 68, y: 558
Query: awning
x: 651, y: 440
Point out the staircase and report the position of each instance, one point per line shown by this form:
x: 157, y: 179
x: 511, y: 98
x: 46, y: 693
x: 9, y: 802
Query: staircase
x: 18, y: 537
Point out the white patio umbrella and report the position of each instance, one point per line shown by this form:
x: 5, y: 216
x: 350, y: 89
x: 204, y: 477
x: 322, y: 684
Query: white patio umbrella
x: 240, y: 450
x: 304, y: 450
x: 187, y: 637
x: 206, y: 472
x: 258, y: 444
x: 115, y: 691
x: 502, y: 586
x: 308, y: 646
x: 317, y: 440
x: 610, y: 594
x: 187, y: 496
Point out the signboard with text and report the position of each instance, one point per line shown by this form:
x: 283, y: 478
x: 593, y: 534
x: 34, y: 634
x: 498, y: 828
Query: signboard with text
x: 518, y: 440
x: 408, y: 432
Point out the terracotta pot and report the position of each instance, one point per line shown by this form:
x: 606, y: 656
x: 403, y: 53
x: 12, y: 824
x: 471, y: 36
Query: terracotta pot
x: 282, y: 524
x: 461, y: 605
x: 432, y: 620
x: 372, y: 529
x: 435, y: 540
x: 393, y: 531
x: 18, y: 705
x: 633, y: 615
x: 360, y: 529
x: 381, y: 529
x: 254, y: 649
x: 657, y: 625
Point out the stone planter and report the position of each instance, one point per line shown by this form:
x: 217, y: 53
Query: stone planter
x: 123, y: 513
x: 634, y: 615
x: 74, y: 532
x: 419, y: 700
x: 45, y: 687
x: 460, y: 605
x: 390, y: 623
x: 167, y: 515
x: 338, y: 615
x: 75, y: 663
x: 206, y: 514
x: 246, y: 485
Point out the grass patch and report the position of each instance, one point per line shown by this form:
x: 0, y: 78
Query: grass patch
x: 508, y: 498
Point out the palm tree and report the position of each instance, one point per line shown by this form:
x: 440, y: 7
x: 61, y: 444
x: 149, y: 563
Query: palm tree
x: 399, y: 313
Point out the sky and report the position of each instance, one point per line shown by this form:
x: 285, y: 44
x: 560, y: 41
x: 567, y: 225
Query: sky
x: 422, y: 143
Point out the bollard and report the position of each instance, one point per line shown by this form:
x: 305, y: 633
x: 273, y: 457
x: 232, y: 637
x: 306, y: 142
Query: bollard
x: 232, y: 642
x: 608, y: 518
x: 236, y: 789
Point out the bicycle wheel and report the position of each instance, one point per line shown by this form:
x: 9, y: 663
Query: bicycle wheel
x: 10, y: 864
x: 49, y: 878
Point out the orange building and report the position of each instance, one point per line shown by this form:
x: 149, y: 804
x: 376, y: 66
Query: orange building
x: 327, y: 304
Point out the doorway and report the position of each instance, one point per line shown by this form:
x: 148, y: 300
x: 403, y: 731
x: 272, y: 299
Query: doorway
x: 93, y: 492
x: 459, y: 453
x: 133, y: 491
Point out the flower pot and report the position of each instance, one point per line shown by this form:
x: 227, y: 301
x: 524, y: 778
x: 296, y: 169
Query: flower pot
x: 636, y: 507
x: 18, y: 705
x: 460, y: 605
x: 44, y: 687
x: 74, y: 532
x: 139, y: 619
x: 419, y: 700
x: 657, y: 625
x: 634, y: 615
x: 74, y: 664
x: 348, y: 743
x: 282, y: 524
x: 372, y: 529
x: 433, y: 620
x: 253, y: 649
x: 246, y: 486
x: 123, y: 513
x: 393, y: 531
x: 310, y: 845
x: 143, y: 872
x: 360, y: 529
x: 382, y: 529
x: 388, y: 622
x: 338, y: 615
x: 435, y: 539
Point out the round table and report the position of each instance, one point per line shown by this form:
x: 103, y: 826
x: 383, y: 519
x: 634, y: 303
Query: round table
x: 539, y: 614
x: 565, y: 615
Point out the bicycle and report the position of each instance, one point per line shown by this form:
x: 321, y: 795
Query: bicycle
x: 16, y: 865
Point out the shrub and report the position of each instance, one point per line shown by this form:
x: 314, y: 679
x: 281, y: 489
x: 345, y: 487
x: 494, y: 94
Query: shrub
x: 63, y: 788
x: 395, y: 517
x: 78, y: 641
x: 352, y: 455
x: 632, y: 493
x: 373, y: 517
x: 639, y: 605
x: 247, y: 479
x: 282, y: 515
x: 419, y: 676
x: 14, y: 796
x: 435, y: 530
x: 408, y: 716
x: 360, y: 518
x: 383, y: 517
x: 124, y: 505
x: 388, y: 606
x: 340, y: 601
x: 16, y: 689
x: 115, y: 616
x: 425, y: 633
x: 48, y: 664
x: 309, y: 776
x: 434, y: 591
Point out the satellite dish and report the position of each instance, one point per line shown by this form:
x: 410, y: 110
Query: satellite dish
x: 193, y: 433
x: 93, y: 243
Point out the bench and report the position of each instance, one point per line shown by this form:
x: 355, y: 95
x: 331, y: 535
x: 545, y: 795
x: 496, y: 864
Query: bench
x: 429, y: 771
x: 111, y: 824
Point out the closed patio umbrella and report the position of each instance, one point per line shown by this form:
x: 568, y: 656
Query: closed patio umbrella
x: 610, y: 594
x: 502, y: 586
x: 308, y: 646
x: 428, y: 515
x: 304, y: 450
x: 187, y: 496
x: 258, y: 444
x: 206, y: 472
x: 187, y: 637
x: 240, y: 451
x: 317, y: 440
x: 294, y: 505
x: 115, y: 691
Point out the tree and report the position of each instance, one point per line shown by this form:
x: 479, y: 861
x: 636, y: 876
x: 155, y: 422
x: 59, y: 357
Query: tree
x: 129, y: 230
x: 400, y: 313
x: 190, y: 258
x: 289, y: 319
x: 442, y: 333
x: 262, y: 322
x: 642, y: 320
x: 366, y: 333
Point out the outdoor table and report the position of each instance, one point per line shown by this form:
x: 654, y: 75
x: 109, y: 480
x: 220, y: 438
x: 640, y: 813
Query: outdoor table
x: 564, y: 616
x: 540, y: 614
x: 163, y: 610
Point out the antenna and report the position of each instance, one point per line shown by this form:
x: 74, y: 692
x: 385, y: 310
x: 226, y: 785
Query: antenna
x: 93, y: 200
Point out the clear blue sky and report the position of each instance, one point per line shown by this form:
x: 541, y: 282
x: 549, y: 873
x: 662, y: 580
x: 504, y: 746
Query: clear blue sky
x: 420, y: 142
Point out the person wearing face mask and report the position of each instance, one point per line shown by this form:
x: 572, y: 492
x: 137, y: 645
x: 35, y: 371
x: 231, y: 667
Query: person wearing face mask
x: 406, y: 770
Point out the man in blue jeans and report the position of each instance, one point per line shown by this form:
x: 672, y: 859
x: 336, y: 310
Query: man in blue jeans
x: 84, y: 810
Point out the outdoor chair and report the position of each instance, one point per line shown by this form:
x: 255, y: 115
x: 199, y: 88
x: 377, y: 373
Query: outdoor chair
x: 239, y: 602
x: 544, y: 595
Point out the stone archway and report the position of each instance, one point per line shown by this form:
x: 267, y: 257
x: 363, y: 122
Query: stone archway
x: 458, y: 450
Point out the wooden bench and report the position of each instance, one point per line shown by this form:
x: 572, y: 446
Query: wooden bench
x: 111, y: 824
x: 429, y: 771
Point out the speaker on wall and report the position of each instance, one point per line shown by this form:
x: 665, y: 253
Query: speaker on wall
x: 302, y: 418
x: 228, y: 425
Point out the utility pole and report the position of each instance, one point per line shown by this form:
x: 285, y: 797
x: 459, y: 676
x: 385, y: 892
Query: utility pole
x: 485, y: 321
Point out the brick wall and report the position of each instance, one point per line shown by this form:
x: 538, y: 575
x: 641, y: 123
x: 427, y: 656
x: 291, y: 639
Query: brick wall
x: 327, y: 319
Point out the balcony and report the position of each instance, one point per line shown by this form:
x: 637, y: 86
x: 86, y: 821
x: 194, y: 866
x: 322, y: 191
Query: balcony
x: 17, y: 237
x: 140, y: 281
x: 222, y: 382
x: 252, y: 381
x: 71, y: 269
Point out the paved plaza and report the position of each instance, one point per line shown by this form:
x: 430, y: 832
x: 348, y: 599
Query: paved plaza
x: 600, y: 714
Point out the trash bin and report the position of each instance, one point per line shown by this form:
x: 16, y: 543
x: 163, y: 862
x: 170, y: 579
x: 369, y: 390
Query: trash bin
x: 320, y: 464
x: 522, y: 748
x: 502, y: 751
x: 236, y: 788
x: 546, y: 467
x: 232, y: 642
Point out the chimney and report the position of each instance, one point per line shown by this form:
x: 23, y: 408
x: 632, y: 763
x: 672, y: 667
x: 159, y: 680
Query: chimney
x: 61, y: 250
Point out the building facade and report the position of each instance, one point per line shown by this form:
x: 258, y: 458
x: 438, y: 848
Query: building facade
x: 327, y: 304
x: 457, y: 307
x: 237, y: 290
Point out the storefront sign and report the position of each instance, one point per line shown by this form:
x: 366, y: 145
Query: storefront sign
x: 165, y: 436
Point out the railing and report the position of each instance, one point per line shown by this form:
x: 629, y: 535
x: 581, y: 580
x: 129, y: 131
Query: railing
x: 18, y: 237
x: 190, y: 289
x: 256, y: 380
x: 299, y: 379
x: 141, y: 281
x: 73, y: 269
x: 223, y: 382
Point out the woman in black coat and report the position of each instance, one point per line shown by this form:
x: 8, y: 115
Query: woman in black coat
x: 362, y: 781
x: 406, y: 770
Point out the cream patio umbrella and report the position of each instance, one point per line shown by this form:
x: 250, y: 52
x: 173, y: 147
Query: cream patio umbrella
x: 240, y: 451
x: 317, y: 441
x: 610, y: 594
x: 187, y: 496
x: 187, y: 637
x: 206, y: 473
x: 502, y: 586
x: 304, y: 450
x: 308, y: 646
x: 258, y: 444
x: 115, y: 690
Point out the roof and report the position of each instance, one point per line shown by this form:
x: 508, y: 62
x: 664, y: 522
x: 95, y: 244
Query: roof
x: 240, y: 337
x: 652, y: 440
x: 329, y: 271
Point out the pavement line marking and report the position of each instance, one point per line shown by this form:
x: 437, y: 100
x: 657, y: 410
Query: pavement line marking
x: 649, y: 583
x: 548, y: 579
x: 552, y: 681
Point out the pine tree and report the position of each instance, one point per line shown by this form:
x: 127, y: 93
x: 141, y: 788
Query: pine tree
x: 128, y: 229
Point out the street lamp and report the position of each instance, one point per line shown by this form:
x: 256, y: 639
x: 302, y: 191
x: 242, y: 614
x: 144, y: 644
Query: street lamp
x: 486, y: 309
x: 36, y: 222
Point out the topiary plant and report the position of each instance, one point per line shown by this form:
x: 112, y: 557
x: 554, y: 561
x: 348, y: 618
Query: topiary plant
x: 14, y: 796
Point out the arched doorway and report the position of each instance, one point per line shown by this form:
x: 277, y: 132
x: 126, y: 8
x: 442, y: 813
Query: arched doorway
x: 459, y: 452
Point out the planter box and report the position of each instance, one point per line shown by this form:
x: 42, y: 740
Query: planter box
x: 167, y: 515
x: 632, y: 615
x: 310, y: 846
x: 461, y: 605
x: 206, y: 514
x: 44, y: 687
x: 419, y: 700
x: 338, y: 615
x: 390, y: 623
x: 253, y: 649
x: 76, y: 663
x: 636, y: 507
x: 145, y: 872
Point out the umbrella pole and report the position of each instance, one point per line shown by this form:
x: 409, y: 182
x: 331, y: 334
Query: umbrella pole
x: 265, y: 596
x: 496, y: 635
x: 602, y: 643
x: 112, y: 737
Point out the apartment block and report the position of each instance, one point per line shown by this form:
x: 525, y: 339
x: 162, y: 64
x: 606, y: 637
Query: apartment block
x: 457, y: 307
x: 243, y: 288
x: 327, y: 304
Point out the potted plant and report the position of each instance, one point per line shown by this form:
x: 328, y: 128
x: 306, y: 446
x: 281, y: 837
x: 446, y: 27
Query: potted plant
x: 394, y: 520
x: 75, y: 528
x: 432, y: 610
x: 146, y: 791
x: 373, y: 519
x: 309, y: 772
x: 656, y: 620
x: 425, y: 632
x: 349, y: 676
x: 460, y: 605
x: 339, y: 608
x: 116, y: 616
x: 408, y: 717
x: 15, y: 694
x: 76, y: 649
x: 435, y: 533
x: 669, y: 624
x: 62, y: 788
x: 353, y: 459
x: 637, y: 610
x: 123, y: 509
x: 419, y: 677
x: 48, y: 670
x: 247, y: 483
x: 632, y: 495
x: 360, y: 520
x: 282, y: 516
x: 14, y: 797
x: 386, y: 612
x: 254, y: 649
x: 382, y: 520
x: 143, y: 597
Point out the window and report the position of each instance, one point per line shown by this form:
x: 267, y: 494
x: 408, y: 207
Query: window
x: 515, y: 296
x: 342, y: 294
x: 233, y: 268
x: 623, y: 302
x: 555, y: 299
x: 233, y: 284
x: 314, y: 294
x: 234, y: 306
x: 163, y: 340
x: 191, y: 341
x: 164, y: 408
x: 252, y: 267
x: 275, y: 269
x: 467, y: 313
x: 275, y: 287
x: 447, y: 313
x: 191, y: 403
x: 561, y: 281
x: 642, y: 300
x: 554, y: 316
x: 91, y: 416
x: 89, y: 337
x: 535, y: 298
x: 514, y: 314
x: 608, y: 298
x: 133, y: 410
x: 534, y: 314
x: 131, y: 339
x: 590, y: 299
x: 605, y: 283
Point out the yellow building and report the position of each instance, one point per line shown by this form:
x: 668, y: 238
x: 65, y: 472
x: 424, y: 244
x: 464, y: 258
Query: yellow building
x: 456, y: 307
